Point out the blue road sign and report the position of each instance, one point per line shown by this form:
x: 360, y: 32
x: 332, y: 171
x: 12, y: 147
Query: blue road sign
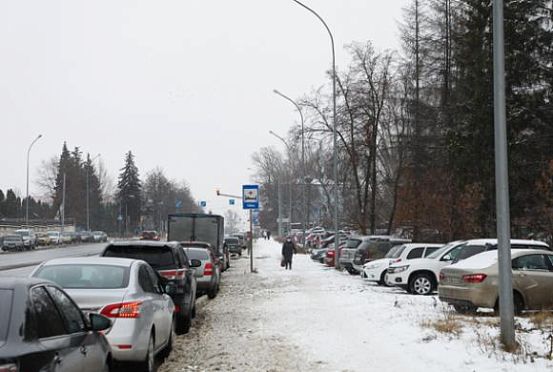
x: 231, y: 201
x: 250, y: 196
x: 178, y: 204
x: 203, y: 204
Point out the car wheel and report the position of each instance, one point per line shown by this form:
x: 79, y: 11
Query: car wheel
x: 382, y: 280
x: 518, y: 304
x: 212, y: 293
x: 183, y: 324
x: 107, y: 366
x: 148, y: 364
x: 352, y: 271
x: 421, y: 284
x: 465, y: 309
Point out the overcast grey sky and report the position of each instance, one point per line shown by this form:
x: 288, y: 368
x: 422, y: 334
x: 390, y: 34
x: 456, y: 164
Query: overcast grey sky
x: 186, y: 85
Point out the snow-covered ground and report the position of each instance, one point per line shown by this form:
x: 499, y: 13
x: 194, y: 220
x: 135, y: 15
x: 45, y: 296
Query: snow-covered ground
x: 315, y: 318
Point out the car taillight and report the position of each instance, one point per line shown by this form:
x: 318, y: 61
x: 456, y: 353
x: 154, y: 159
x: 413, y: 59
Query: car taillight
x: 172, y: 274
x: 474, y: 278
x: 8, y: 368
x: 129, y: 310
x: 330, y: 253
x: 208, y: 269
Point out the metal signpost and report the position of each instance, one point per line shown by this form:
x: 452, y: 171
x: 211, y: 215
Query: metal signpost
x: 250, y: 200
x: 506, y: 311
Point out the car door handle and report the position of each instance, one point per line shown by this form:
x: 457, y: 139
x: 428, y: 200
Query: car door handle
x: 84, y: 350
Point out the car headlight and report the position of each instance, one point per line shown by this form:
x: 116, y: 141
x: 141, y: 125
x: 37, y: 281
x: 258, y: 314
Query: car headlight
x: 371, y: 267
x: 397, y: 269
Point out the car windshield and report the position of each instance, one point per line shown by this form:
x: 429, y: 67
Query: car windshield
x: 23, y: 233
x: 197, y: 254
x: 53, y: 233
x: 442, y: 250
x: 231, y: 241
x: 83, y: 276
x: 5, y: 312
x: 395, y: 252
x: 353, y: 243
x: 157, y: 257
x: 12, y: 238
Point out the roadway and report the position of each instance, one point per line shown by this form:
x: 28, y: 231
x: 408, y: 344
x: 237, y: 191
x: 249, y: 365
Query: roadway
x: 22, y: 263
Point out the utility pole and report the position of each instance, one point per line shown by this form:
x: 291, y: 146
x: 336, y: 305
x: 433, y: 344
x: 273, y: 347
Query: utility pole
x: 27, y: 198
x: 63, y: 206
x: 506, y: 310
x: 279, y: 193
x: 334, y: 124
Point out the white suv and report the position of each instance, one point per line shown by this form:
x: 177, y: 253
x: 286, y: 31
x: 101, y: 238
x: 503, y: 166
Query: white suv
x: 420, y: 276
x: 376, y: 271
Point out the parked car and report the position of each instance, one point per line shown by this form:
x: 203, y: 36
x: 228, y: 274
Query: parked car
x: 361, y: 249
x: 149, y: 235
x: 29, y: 238
x: 420, y: 276
x: 13, y: 243
x: 67, y: 238
x: 170, y: 261
x: 42, y: 329
x: 43, y: 239
x: 84, y: 236
x: 233, y: 245
x: 207, y: 246
x: 55, y: 237
x: 473, y: 283
x: 241, y: 240
x: 208, y: 272
x: 129, y: 292
x: 374, y: 250
x: 99, y: 236
x: 318, y: 254
x: 376, y: 271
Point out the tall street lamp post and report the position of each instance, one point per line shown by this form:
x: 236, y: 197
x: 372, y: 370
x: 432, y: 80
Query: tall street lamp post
x: 304, y: 203
x: 27, y: 198
x: 506, y: 311
x: 335, y: 131
x: 289, y: 181
x: 87, y: 194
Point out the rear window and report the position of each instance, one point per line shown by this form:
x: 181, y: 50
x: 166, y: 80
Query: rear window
x: 353, y: 243
x: 5, y: 311
x: 157, y: 257
x: 86, y: 276
x: 197, y: 254
x: 231, y: 241
x: 395, y: 252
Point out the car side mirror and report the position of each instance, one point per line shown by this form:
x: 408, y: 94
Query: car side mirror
x: 99, y: 322
x: 195, y: 263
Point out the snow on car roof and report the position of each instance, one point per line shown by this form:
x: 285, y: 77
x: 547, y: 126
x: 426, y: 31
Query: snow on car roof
x: 489, y: 258
x: 513, y: 241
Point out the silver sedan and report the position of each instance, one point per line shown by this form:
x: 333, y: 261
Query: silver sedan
x: 126, y: 291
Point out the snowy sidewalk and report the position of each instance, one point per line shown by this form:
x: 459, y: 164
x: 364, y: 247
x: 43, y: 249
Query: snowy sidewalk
x: 314, y: 318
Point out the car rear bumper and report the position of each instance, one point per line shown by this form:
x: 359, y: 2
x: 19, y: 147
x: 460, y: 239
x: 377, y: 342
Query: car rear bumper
x: 129, y: 339
x: 476, y: 296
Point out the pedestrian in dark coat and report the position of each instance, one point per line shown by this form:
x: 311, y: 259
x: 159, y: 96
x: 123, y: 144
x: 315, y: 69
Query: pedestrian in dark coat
x: 268, y: 235
x: 288, y: 250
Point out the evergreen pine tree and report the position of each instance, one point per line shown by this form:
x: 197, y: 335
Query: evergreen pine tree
x: 129, y: 194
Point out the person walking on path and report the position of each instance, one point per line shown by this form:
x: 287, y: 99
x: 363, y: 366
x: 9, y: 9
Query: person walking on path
x: 268, y: 235
x: 288, y: 250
